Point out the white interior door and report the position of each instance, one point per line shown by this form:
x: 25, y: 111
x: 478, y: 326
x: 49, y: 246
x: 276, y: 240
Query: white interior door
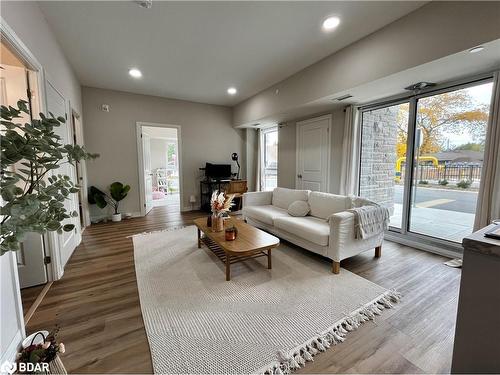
x: 148, y: 173
x: 313, y: 153
x: 30, y: 259
x: 67, y: 241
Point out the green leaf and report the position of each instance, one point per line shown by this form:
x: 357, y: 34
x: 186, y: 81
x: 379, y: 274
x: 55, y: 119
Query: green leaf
x: 68, y: 227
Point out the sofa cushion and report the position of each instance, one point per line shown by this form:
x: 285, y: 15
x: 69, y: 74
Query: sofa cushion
x: 299, y: 208
x: 323, y: 205
x: 283, y: 197
x: 308, y: 228
x: 265, y: 214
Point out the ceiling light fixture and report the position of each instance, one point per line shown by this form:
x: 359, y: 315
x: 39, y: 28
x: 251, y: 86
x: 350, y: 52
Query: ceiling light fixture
x: 476, y: 49
x: 331, y: 23
x: 420, y: 86
x: 134, y: 72
x: 146, y: 4
x: 232, y: 91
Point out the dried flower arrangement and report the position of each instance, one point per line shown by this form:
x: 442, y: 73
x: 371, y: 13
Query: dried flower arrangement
x: 220, y: 203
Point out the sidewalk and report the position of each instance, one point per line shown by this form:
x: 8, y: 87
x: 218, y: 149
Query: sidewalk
x: 446, y: 224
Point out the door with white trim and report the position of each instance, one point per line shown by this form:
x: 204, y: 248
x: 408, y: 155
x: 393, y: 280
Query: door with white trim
x: 67, y: 241
x: 313, y: 154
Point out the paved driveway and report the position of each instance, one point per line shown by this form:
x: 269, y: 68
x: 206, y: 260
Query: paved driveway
x: 443, y: 199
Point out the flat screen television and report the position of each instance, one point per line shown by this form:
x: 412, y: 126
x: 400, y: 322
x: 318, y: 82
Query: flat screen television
x: 218, y: 171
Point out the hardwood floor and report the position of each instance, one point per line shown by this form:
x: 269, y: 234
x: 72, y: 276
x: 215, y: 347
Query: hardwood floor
x: 29, y: 295
x: 96, y: 307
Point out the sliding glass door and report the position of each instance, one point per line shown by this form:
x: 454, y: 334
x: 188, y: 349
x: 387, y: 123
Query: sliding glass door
x: 433, y: 193
x: 448, y: 158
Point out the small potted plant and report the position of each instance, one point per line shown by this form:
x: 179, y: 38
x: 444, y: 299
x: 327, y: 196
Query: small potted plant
x: 38, y: 351
x: 220, y: 204
x: 117, y: 192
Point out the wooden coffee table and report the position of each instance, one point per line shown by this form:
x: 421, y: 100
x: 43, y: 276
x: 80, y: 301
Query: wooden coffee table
x: 250, y: 243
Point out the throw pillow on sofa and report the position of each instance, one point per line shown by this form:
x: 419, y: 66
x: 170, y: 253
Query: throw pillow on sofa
x: 299, y: 208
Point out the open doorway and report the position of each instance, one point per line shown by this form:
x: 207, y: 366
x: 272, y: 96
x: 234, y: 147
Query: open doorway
x: 19, y: 81
x: 159, y: 166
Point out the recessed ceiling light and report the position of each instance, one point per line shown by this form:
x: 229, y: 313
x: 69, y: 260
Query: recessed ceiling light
x: 134, y: 72
x: 476, y: 49
x: 232, y: 91
x: 331, y: 23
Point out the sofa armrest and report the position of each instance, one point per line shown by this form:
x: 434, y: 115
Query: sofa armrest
x: 343, y: 242
x: 257, y: 198
x: 341, y: 227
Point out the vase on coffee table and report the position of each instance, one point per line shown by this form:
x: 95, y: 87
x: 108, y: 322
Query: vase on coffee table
x: 217, y: 223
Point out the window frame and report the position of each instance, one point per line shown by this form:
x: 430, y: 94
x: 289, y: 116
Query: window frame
x: 404, y: 234
x: 265, y: 132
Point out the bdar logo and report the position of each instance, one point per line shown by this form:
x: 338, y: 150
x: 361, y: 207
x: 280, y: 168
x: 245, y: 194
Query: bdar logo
x: 8, y: 367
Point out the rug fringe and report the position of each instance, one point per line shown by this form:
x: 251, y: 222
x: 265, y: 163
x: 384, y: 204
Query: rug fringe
x: 159, y: 231
x: 300, y: 355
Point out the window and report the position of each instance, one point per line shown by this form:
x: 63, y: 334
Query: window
x: 269, y: 170
x: 433, y: 193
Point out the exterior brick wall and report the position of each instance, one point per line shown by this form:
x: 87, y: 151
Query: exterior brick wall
x: 378, y: 155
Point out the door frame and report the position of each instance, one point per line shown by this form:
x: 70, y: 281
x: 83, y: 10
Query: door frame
x: 79, y: 140
x: 140, y: 161
x: 329, y: 149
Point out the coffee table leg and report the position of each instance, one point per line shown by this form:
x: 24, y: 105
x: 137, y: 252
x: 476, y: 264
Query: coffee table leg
x: 228, y: 267
x: 199, y: 238
x: 269, y: 266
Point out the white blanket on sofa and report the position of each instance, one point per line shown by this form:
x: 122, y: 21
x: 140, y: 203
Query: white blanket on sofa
x: 370, y: 220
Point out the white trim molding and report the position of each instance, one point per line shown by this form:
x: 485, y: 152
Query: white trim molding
x: 140, y: 162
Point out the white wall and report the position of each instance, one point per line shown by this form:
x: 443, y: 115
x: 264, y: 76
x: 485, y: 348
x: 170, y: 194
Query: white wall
x: 28, y: 23
x: 11, y: 317
x: 158, y: 153
x: 206, y: 135
x: 436, y: 30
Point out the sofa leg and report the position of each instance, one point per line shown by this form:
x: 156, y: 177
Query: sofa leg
x: 378, y: 251
x: 336, y: 267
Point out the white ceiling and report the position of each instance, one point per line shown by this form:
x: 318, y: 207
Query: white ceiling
x: 196, y: 50
x: 452, y: 68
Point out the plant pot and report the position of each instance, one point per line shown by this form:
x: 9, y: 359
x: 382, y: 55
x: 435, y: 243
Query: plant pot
x: 116, y: 217
x: 217, y: 224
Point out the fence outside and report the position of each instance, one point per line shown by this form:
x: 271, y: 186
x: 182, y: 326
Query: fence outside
x: 448, y: 172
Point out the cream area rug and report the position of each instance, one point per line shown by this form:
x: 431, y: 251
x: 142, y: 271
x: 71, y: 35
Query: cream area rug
x: 262, y: 321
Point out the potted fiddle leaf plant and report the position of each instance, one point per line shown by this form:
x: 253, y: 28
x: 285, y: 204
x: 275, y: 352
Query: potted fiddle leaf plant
x: 32, y: 191
x: 117, y: 192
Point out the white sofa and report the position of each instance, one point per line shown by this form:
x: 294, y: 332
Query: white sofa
x: 327, y: 230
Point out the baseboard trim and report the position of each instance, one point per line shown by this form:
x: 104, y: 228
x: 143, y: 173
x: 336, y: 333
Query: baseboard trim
x: 104, y: 216
x: 423, y: 246
x: 31, y: 311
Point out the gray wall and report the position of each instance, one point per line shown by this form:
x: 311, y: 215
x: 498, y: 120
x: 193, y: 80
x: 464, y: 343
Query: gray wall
x: 436, y: 30
x: 249, y: 164
x: 287, y: 150
x: 206, y: 135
